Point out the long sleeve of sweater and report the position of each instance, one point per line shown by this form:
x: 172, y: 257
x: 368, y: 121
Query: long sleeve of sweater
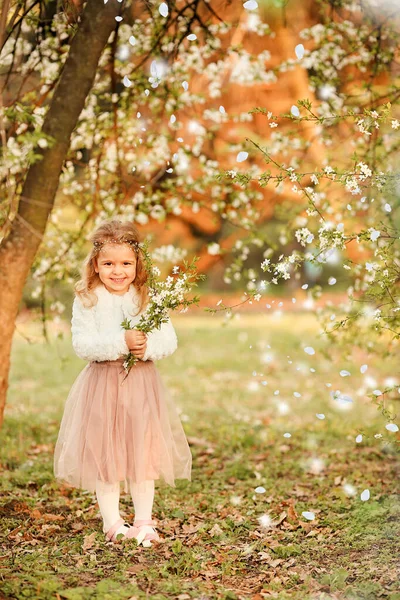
x: 91, y: 344
x: 161, y: 342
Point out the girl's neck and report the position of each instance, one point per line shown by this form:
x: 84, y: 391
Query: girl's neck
x: 130, y: 289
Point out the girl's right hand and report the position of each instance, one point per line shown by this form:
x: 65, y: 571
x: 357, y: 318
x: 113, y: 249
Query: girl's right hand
x: 136, y: 342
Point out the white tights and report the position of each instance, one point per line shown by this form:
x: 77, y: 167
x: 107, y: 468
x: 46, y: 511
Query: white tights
x: 108, y: 499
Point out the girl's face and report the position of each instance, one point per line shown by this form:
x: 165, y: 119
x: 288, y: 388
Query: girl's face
x: 116, y: 266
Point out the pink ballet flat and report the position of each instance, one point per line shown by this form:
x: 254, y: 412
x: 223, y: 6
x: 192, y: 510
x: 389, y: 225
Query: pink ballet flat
x: 110, y: 535
x: 143, y: 532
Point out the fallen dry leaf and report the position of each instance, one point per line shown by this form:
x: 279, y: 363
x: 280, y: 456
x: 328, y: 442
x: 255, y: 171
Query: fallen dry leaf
x: 281, y: 517
x: 312, y: 533
x: 88, y: 541
x: 215, y: 530
x: 292, y: 514
x: 191, y: 528
x: 50, y: 517
x: 275, y: 562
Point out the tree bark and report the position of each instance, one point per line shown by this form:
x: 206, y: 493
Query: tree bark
x: 18, y: 249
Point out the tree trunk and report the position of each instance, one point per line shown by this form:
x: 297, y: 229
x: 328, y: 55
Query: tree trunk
x: 18, y: 249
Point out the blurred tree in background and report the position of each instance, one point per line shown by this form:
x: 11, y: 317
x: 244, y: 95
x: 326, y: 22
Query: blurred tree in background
x: 260, y: 136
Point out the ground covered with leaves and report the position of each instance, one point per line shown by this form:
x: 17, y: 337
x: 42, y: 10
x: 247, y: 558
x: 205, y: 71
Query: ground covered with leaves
x: 237, y: 530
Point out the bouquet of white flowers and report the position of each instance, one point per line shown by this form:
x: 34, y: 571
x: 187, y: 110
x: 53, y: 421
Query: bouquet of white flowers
x: 164, y: 296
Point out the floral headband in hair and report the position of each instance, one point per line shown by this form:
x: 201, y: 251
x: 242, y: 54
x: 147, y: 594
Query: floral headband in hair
x: 132, y: 243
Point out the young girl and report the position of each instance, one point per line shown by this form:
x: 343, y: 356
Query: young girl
x: 117, y: 428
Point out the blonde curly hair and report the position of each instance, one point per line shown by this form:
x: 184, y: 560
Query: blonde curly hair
x: 116, y: 232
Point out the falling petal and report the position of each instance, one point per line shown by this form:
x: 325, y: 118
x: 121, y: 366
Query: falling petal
x: 126, y: 81
x: 287, y: 435
x: 309, y: 350
x: 295, y: 111
x: 316, y: 465
x: 359, y: 439
x: 185, y: 85
x: 365, y: 495
x: 363, y: 368
x: 222, y: 110
x: 163, y: 9
x: 155, y: 69
x: 235, y: 500
x: 118, y: 19
x: 345, y: 398
x: 388, y: 208
x: 344, y: 373
x: 377, y: 393
x: 331, y: 281
x: 105, y: 1
x: 265, y: 521
x: 283, y: 408
x: 339, y: 397
x: 392, y: 427
x: 260, y: 490
x: 294, y: 300
x: 191, y: 37
x: 296, y: 394
x: 252, y: 386
x: 250, y: 5
x: 308, y: 515
x: 172, y: 119
x: 305, y: 286
x: 242, y: 156
x: 320, y: 416
x: 132, y: 40
x: 299, y: 50
x: 349, y: 489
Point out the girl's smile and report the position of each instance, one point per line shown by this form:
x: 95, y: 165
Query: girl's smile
x: 116, y: 266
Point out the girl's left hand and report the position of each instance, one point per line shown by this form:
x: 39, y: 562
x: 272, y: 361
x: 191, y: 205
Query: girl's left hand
x: 140, y: 352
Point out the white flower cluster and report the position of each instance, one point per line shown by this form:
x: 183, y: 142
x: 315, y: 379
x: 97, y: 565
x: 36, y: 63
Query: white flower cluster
x: 168, y: 294
x: 168, y: 254
x: 331, y: 236
x: 304, y: 236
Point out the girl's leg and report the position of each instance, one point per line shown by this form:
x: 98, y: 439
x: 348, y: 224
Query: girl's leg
x: 108, y: 498
x: 143, y: 497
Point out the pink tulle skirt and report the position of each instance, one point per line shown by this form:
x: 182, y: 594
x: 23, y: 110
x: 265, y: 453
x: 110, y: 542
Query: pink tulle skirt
x: 117, y: 429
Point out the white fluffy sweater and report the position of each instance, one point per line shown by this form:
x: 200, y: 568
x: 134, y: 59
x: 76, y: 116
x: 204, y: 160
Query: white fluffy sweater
x: 97, y: 334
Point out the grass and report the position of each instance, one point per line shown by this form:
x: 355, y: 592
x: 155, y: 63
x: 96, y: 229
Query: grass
x: 215, y: 546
